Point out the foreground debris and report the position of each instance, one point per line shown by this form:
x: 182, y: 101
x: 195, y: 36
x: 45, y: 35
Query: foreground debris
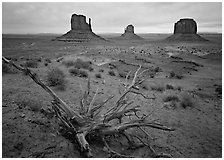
x: 91, y: 122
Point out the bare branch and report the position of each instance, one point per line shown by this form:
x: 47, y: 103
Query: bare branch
x: 98, y: 107
x: 93, y: 100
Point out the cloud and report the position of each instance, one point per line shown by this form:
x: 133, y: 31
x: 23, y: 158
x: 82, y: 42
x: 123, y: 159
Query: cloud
x: 108, y: 17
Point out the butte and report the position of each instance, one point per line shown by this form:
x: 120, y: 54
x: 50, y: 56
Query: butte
x: 185, y: 30
x: 129, y: 34
x: 80, y: 31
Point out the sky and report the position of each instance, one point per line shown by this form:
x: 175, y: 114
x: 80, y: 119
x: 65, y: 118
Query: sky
x: 109, y: 17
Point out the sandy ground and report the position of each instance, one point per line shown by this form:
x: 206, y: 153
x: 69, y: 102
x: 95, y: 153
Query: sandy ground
x: 29, y: 128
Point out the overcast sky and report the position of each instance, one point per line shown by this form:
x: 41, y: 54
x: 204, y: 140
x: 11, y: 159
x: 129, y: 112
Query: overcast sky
x: 148, y: 17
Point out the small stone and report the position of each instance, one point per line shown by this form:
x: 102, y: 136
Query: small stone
x: 22, y: 115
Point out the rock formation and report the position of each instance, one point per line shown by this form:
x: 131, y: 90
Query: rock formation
x: 185, y: 30
x: 129, y: 29
x: 80, y: 30
x: 129, y: 34
x: 185, y: 26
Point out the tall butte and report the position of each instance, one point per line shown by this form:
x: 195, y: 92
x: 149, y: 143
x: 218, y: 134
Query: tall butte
x: 80, y: 31
x: 185, y: 30
x: 129, y: 34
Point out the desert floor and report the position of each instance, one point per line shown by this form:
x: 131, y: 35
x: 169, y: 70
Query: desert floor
x: 30, y: 130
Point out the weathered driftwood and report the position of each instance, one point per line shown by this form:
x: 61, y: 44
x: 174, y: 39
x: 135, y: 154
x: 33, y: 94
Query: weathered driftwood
x: 89, y: 121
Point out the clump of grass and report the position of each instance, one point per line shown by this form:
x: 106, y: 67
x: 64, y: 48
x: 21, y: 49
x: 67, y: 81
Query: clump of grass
x: 172, y: 98
x: 174, y: 75
x: 123, y: 75
x: 78, y: 72
x: 111, y: 73
x: 179, y: 76
x: 33, y: 103
x: 98, y: 75
x: 82, y: 64
x: 39, y: 59
x: 179, y: 88
x: 31, y: 64
x: 157, y: 69
x: 56, y: 78
x: 186, y: 101
x: 90, y: 69
x: 159, y: 88
x: 144, y: 86
x: 169, y: 86
x: 48, y: 60
x: 7, y: 69
x: 68, y: 63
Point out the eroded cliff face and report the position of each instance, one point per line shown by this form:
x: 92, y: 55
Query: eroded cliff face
x: 129, y: 29
x: 78, y: 22
x: 185, y: 26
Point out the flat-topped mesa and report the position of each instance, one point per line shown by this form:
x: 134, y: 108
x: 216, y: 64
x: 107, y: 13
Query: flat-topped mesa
x: 185, y: 30
x: 81, y: 31
x: 129, y: 34
x: 185, y: 26
x: 78, y: 22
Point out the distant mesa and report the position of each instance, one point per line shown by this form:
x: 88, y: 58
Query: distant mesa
x: 80, y: 30
x: 129, y: 34
x: 185, y: 30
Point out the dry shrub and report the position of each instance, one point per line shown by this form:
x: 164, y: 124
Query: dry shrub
x: 7, y: 69
x: 158, y: 87
x: 144, y: 86
x: 174, y: 75
x: 172, y: 98
x: 82, y: 64
x: 31, y: 64
x: 56, y: 78
x: 169, y: 86
x: 68, y: 63
x: 186, y: 101
x: 31, y: 102
x: 78, y: 72
x: 98, y: 75
x: 111, y: 73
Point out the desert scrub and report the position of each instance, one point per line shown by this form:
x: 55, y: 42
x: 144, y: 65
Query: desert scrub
x: 144, y: 86
x: 123, y: 75
x: 171, y: 98
x: 158, y: 87
x: 82, y: 64
x: 68, y: 63
x: 91, y: 69
x: 48, y: 60
x: 32, y: 103
x: 157, y: 69
x: 98, y: 75
x: 31, y: 64
x: 7, y: 69
x: 78, y: 72
x: 169, y: 86
x: 174, y: 75
x: 186, y: 101
x: 111, y: 73
x: 56, y: 78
